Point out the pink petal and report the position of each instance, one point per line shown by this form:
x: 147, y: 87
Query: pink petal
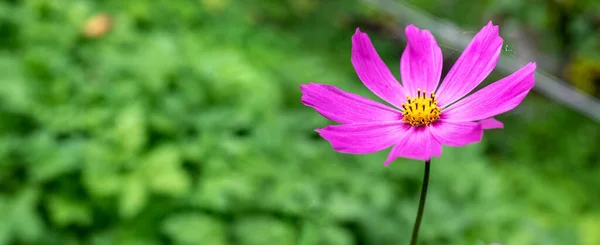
x: 418, y: 144
x: 344, y: 107
x: 373, y: 72
x: 491, y: 123
x: 496, y: 98
x: 421, y: 63
x: 363, y: 138
x: 457, y: 133
x: 476, y: 62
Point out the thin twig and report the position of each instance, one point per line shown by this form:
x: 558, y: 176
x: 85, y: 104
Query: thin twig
x: 450, y: 35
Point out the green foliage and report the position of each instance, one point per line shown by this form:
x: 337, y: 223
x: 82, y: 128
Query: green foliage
x: 183, y: 125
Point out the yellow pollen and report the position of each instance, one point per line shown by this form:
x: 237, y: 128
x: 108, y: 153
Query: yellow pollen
x: 421, y: 110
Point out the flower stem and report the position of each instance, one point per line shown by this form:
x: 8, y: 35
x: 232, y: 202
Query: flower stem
x: 415, y: 233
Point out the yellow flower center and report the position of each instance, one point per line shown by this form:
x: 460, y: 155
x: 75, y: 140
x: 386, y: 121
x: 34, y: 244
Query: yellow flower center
x: 421, y: 110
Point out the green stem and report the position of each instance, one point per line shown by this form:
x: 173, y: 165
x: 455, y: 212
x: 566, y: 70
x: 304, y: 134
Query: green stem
x: 415, y: 234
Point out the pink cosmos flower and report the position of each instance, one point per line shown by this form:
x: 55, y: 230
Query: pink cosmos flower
x: 423, y: 116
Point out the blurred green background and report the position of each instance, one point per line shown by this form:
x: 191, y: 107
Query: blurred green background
x: 180, y: 122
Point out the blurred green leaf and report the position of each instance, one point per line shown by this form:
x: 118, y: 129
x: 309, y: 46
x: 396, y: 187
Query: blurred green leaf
x: 134, y: 196
x: 194, y: 228
x: 163, y: 173
x: 131, y: 129
x: 65, y: 211
x: 25, y: 223
x: 271, y: 231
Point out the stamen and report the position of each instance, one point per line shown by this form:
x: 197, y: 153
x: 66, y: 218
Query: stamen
x: 421, y: 109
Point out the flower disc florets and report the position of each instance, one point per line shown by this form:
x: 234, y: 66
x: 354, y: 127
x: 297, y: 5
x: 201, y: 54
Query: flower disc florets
x: 421, y: 110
